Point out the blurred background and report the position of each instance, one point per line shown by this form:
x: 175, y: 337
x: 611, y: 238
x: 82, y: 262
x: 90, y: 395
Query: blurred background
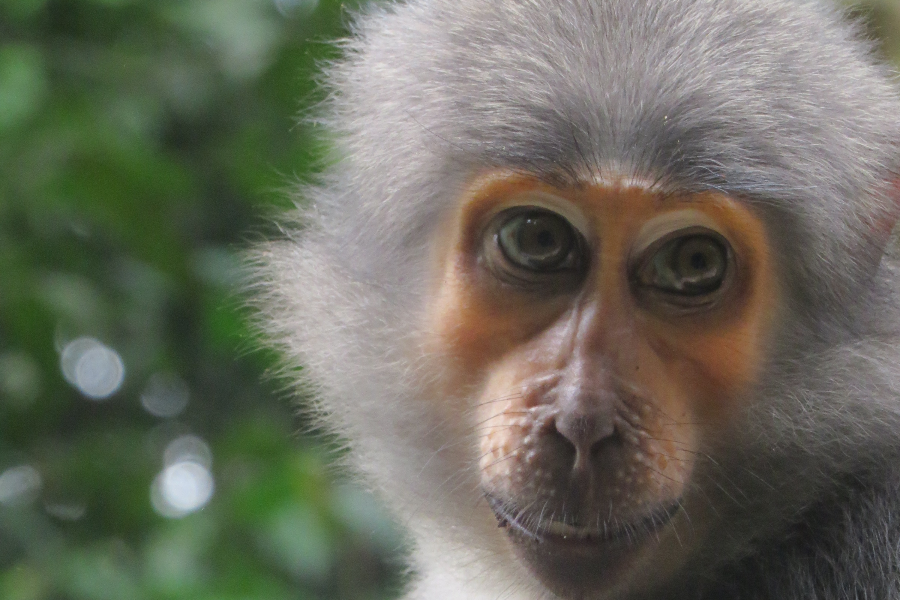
x: 144, y: 452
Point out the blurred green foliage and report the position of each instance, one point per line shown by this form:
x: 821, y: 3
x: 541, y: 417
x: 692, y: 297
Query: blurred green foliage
x: 141, y: 142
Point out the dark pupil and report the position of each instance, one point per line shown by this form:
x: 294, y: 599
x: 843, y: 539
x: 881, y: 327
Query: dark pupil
x: 546, y: 238
x: 698, y: 261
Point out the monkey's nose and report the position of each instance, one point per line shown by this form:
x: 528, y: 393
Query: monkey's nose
x: 586, y: 432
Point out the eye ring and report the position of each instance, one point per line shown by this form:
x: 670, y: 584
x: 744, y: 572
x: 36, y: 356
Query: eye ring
x: 688, y: 270
x: 534, y: 247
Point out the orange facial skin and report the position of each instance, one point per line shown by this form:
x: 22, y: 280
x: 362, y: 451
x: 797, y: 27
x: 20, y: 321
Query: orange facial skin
x: 647, y: 387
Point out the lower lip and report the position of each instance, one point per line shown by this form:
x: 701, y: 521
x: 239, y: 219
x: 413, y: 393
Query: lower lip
x: 581, y: 563
x: 630, y: 534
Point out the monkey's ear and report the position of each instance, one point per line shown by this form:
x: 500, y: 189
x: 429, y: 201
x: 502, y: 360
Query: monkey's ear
x: 886, y: 220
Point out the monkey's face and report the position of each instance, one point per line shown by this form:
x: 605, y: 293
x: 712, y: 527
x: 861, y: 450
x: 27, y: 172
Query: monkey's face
x: 608, y: 333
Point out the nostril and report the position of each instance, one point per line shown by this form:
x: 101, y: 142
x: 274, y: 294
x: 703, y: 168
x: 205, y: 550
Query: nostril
x: 563, y: 448
x: 602, y: 445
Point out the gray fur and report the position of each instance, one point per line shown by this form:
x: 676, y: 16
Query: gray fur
x: 775, y: 102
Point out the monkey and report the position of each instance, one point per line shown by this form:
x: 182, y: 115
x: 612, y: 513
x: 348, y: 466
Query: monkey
x: 599, y: 293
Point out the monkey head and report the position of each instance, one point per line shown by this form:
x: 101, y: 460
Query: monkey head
x: 593, y: 288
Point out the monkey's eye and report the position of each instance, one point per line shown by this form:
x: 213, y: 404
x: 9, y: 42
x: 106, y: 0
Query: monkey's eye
x: 531, y: 246
x: 538, y: 240
x: 686, y: 270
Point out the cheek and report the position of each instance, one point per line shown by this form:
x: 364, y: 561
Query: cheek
x: 715, y: 367
x: 467, y: 336
x: 701, y: 379
x: 475, y: 327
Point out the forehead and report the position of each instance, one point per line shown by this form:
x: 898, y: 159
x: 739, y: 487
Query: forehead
x: 696, y: 94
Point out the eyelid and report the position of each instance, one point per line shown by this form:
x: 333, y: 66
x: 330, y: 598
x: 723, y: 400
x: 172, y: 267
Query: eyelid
x: 567, y: 210
x: 662, y: 225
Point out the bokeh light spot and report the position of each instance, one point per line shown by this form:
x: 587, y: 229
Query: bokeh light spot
x: 19, y: 485
x: 96, y: 370
x: 165, y: 395
x: 181, y: 488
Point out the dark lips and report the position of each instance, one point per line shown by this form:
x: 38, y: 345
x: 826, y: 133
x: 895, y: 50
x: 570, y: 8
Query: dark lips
x: 559, y: 533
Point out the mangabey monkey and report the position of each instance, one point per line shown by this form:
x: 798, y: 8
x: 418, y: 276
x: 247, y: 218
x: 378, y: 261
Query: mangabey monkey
x: 608, y: 274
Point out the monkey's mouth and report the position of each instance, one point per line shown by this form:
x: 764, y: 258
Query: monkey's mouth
x: 577, y: 561
x: 550, y: 530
